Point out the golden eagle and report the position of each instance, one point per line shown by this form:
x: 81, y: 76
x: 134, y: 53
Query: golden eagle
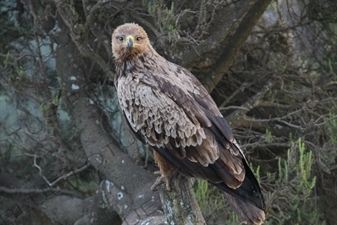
x: 167, y: 108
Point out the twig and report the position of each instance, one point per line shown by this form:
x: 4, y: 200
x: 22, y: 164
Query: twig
x: 239, y: 114
x: 241, y: 88
x: 64, y: 177
x: 36, y: 191
x: 233, y: 107
x: 43, y: 78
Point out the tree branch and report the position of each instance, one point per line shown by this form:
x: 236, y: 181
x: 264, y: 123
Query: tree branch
x: 64, y: 177
x: 235, y: 43
x: 37, y: 191
x: 232, y: 12
x: 77, y: 38
x: 236, y: 118
x: 102, y: 152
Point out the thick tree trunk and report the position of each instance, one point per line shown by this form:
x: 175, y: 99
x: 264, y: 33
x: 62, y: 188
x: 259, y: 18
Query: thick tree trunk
x: 180, y: 205
x: 127, y: 185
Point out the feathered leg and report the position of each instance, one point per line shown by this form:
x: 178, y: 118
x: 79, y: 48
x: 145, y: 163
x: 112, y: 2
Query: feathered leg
x: 166, y: 171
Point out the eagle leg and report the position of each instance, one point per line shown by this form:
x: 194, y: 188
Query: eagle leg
x: 168, y: 179
x: 167, y: 172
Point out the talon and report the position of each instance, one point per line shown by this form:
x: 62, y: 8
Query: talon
x: 161, y: 180
x: 167, y: 178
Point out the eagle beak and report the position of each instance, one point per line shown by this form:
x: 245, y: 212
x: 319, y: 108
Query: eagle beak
x: 129, y: 42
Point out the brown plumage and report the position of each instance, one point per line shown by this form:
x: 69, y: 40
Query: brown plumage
x: 167, y: 108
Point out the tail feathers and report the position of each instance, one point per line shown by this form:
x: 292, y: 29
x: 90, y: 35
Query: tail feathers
x: 247, y: 200
x: 248, y: 213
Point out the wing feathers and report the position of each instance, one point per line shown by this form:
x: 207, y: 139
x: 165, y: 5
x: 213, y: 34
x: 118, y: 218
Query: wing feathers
x: 226, y: 177
x: 208, y: 149
x: 159, y: 118
x: 234, y: 164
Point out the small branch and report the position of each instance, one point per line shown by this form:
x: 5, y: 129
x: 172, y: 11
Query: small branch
x: 265, y: 145
x: 27, y: 94
x: 241, y: 88
x: 36, y: 191
x: 43, y: 78
x: 90, y: 16
x: 64, y: 177
x: 326, y: 121
x: 238, y: 115
x: 233, y: 107
x: 273, y: 104
x: 147, y: 24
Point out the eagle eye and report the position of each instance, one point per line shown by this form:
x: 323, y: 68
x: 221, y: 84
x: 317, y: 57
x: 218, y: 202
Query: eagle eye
x: 138, y: 38
x: 120, y: 38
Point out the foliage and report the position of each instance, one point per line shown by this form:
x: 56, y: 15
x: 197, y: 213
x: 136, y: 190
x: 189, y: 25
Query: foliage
x: 326, y: 161
x: 293, y: 184
x: 209, y: 200
x: 289, y: 192
x: 165, y: 17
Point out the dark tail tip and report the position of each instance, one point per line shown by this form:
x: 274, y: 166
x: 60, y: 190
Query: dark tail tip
x: 248, y: 213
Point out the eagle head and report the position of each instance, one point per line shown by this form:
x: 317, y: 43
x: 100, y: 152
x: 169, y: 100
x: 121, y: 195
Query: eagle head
x: 129, y: 40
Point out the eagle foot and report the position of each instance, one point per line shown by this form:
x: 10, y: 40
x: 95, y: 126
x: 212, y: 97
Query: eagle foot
x: 167, y: 178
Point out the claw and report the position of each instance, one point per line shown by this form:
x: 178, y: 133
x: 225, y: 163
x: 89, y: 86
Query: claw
x: 159, y: 181
x: 164, y: 178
